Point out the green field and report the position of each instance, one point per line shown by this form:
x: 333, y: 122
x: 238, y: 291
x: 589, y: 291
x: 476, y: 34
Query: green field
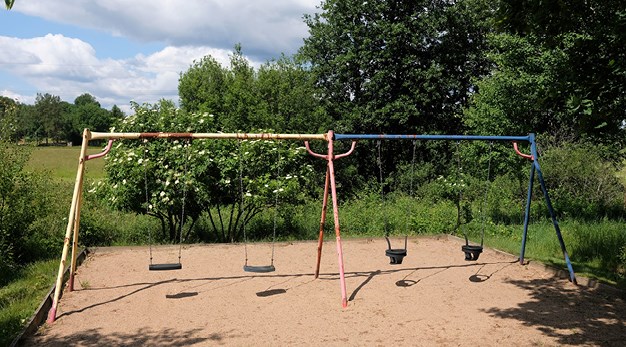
x: 62, y: 162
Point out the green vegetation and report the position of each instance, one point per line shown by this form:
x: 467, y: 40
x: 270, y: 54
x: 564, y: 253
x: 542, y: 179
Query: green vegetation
x: 60, y: 162
x: 507, y: 67
x: 21, y: 294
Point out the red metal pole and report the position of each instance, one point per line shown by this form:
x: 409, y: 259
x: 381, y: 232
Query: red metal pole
x: 320, y: 241
x: 333, y: 189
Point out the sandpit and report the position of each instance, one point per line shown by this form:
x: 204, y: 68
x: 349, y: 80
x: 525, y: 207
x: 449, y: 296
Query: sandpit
x: 434, y: 298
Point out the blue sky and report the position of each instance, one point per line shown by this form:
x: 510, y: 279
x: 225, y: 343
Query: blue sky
x: 119, y: 50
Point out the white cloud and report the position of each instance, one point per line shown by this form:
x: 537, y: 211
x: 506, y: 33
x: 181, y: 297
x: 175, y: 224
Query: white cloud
x: 68, y: 67
x: 188, y: 30
x: 265, y: 28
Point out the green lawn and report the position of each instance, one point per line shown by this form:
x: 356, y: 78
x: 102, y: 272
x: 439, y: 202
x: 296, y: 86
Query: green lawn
x: 62, y: 162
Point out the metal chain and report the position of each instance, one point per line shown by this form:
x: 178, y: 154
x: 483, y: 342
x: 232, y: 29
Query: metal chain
x: 182, y: 217
x: 483, y: 212
x: 408, y: 206
x: 145, y: 181
x: 382, y: 189
x: 243, y: 222
x: 278, y: 161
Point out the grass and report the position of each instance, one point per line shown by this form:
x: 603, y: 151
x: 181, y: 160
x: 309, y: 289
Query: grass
x: 20, y: 297
x: 592, y: 245
x: 62, y: 162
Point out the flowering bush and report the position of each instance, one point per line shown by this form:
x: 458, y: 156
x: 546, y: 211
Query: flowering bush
x: 177, y: 180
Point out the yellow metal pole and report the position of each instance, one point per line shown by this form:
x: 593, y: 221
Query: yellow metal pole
x: 79, y: 202
x: 71, y: 223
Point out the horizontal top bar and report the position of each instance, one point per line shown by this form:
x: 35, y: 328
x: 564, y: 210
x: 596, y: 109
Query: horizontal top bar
x: 526, y: 138
x: 265, y: 136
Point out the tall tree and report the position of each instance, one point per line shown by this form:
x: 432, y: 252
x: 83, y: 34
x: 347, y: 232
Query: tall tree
x: 50, y: 110
x: 560, y: 68
x: 86, y: 112
x: 288, y: 98
x: 280, y: 95
x: 389, y: 66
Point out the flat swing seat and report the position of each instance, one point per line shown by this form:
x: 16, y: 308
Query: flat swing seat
x: 259, y: 269
x: 165, y: 267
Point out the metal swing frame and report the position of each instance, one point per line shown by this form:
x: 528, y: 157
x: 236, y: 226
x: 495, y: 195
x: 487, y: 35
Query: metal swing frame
x: 535, y: 168
x: 71, y: 235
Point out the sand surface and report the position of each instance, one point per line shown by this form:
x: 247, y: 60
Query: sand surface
x: 434, y: 298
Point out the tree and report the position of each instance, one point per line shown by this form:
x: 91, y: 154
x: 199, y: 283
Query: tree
x: 388, y: 66
x: 155, y: 176
x: 50, y: 110
x: 9, y: 4
x: 202, y: 87
x: 560, y: 69
x: 116, y: 113
x: 396, y: 67
x: 280, y: 95
x: 287, y: 97
x: 87, y: 113
x: 8, y: 119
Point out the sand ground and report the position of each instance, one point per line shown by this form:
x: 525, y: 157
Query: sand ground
x: 434, y: 298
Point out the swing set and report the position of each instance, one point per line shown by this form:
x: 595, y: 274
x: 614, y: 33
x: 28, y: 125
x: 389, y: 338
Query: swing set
x: 396, y: 255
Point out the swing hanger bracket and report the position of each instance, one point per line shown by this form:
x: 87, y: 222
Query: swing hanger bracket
x: 523, y: 155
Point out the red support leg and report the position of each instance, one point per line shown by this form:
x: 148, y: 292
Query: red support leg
x: 320, y: 241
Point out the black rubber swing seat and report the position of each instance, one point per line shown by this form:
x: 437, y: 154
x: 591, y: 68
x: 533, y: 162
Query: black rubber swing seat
x: 396, y: 255
x: 260, y: 269
x: 165, y: 267
x: 472, y: 252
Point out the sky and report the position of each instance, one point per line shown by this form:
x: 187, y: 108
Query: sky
x: 121, y: 51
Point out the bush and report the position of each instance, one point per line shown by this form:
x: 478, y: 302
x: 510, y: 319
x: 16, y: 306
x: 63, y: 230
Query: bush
x: 582, y: 185
x: 22, y: 202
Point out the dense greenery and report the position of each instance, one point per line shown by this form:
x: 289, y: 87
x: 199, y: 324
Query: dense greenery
x: 178, y: 181
x: 558, y: 67
x: 469, y: 66
x: 51, y: 119
x: 279, y: 96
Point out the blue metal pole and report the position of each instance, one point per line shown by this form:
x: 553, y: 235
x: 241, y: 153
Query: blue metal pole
x: 533, y: 148
x: 527, y: 213
x: 430, y: 137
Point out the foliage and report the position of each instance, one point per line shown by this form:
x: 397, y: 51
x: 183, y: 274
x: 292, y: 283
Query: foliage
x: 21, y: 294
x: 396, y: 67
x: 161, y: 177
x: 581, y: 183
x: 22, y: 202
x: 385, y: 66
x: 86, y: 113
x: 279, y: 95
x: 49, y: 111
x: 559, y: 69
x: 8, y: 119
x: 50, y: 118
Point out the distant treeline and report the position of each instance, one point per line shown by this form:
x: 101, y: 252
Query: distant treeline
x: 51, y: 119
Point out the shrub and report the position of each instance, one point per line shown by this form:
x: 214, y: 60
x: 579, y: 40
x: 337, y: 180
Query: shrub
x: 22, y: 202
x: 581, y: 183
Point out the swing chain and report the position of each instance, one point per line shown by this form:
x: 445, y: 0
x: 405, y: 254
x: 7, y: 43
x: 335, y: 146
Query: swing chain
x: 382, y: 188
x: 243, y: 222
x: 145, y: 181
x: 182, y: 215
x: 484, y: 205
